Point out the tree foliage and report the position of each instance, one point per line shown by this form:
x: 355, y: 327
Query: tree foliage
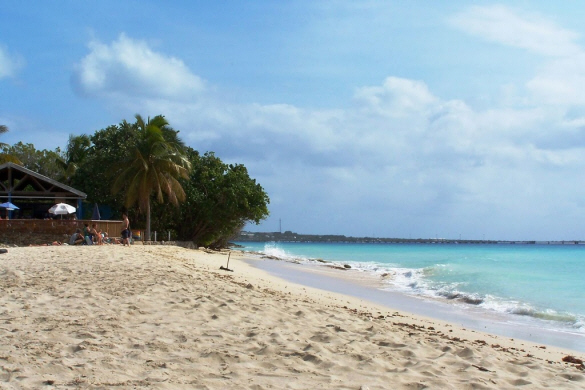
x: 220, y: 200
x: 76, y: 151
x: 96, y: 173
x: 4, y: 147
x: 3, y: 130
x: 40, y: 161
x: 154, y: 166
x: 147, y: 166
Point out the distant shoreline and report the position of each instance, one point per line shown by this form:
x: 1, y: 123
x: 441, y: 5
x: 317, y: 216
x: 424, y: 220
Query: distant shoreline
x: 295, y: 237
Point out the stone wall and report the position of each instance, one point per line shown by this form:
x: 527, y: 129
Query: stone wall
x: 11, y: 239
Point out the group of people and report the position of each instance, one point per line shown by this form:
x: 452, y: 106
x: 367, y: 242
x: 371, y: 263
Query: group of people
x: 90, y: 235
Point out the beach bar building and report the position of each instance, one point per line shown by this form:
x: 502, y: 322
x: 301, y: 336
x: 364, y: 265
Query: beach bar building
x: 34, y: 194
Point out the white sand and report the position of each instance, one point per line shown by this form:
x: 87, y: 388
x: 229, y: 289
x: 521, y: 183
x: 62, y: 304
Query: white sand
x: 166, y: 317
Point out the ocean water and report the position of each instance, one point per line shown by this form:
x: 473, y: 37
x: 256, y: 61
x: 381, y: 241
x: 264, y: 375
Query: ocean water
x: 542, y: 282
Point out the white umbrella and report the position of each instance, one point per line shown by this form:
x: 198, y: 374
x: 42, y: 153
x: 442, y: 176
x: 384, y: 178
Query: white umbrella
x: 62, y: 208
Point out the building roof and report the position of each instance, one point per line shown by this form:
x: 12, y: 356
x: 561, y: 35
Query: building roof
x: 19, y: 182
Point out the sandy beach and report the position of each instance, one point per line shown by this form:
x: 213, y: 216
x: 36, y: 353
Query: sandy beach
x: 168, y: 317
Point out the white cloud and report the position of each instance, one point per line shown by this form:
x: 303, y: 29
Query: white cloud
x: 398, y: 148
x: 503, y: 25
x: 9, y: 63
x: 128, y: 67
x: 560, y: 79
x: 560, y: 82
x: 396, y: 97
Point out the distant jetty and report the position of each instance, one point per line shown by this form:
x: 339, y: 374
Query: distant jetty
x: 289, y: 236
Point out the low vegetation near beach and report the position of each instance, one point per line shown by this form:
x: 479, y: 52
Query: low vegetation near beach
x: 144, y: 169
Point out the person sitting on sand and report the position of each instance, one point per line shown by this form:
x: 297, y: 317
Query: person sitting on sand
x: 110, y: 240
x: 96, y: 235
x: 76, y: 238
x: 87, y: 236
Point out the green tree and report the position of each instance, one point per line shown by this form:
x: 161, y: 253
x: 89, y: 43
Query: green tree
x: 77, y: 150
x: 154, y: 166
x: 40, y: 161
x: 220, y: 200
x: 3, y: 130
x: 4, y: 155
x: 95, y: 174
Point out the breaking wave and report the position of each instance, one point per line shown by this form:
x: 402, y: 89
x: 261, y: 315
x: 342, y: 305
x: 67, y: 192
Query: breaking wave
x: 421, y: 282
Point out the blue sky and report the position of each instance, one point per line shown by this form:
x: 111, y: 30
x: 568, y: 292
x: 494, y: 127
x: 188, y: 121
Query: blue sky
x: 373, y: 118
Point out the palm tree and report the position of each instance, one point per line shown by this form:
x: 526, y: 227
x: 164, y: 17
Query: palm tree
x: 4, y: 155
x: 77, y: 149
x: 154, y: 166
x: 3, y: 130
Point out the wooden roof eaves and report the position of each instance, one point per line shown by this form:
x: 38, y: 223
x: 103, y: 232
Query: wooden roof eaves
x: 10, y: 165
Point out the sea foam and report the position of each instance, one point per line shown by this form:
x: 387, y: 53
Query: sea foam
x: 470, y: 279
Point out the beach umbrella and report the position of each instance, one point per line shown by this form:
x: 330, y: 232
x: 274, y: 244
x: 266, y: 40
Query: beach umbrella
x: 61, y: 209
x: 96, y: 213
x: 8, y: 206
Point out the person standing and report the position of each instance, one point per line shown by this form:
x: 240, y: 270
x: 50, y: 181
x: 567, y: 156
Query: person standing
x: 126, y: 232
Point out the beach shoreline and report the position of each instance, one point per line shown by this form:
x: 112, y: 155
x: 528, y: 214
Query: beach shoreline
x: 168, y: 317
x: 372, y: 288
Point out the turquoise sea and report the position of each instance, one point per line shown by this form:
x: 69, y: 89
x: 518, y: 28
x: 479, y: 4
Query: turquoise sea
x: 542, y: 283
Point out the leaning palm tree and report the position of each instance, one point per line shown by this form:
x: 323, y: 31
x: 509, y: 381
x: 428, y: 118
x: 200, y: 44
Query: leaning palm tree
x: 153, y: 167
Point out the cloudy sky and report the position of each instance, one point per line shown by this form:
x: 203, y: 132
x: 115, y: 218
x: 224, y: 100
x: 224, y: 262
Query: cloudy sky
x: 371, y: 118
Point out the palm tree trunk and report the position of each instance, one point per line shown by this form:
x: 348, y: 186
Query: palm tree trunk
x: 148, y: 219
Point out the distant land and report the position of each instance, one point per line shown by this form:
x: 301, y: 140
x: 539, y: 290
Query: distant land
x: 289, y: 236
